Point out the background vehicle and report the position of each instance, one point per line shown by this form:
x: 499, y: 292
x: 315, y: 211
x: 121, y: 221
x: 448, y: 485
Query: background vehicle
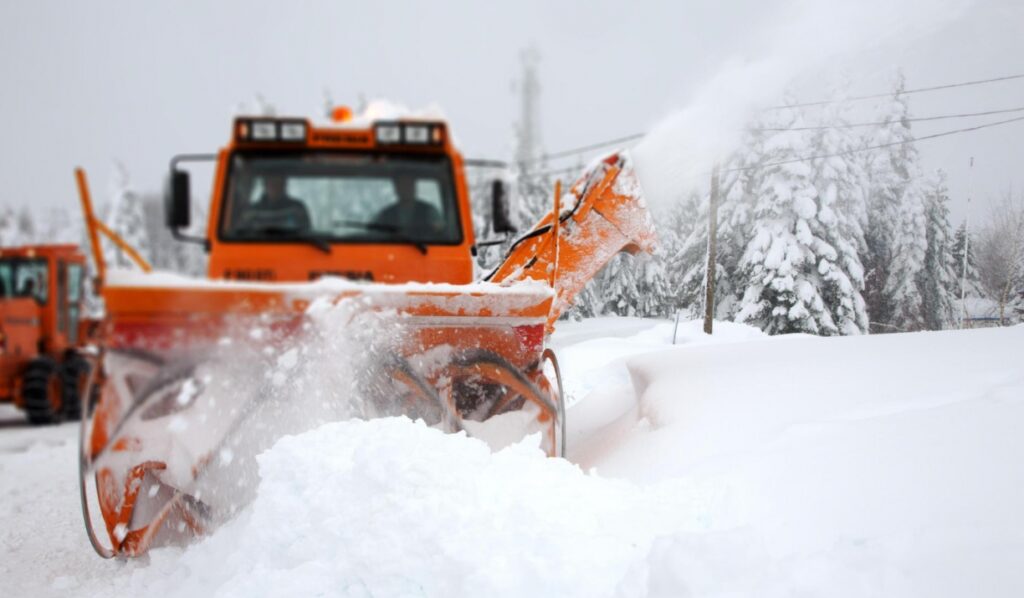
x: 42, y: 331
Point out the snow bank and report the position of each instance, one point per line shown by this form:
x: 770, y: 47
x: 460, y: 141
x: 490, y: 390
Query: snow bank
x: 883, y: 465
x: 599, y: 391
x: 592, y: 353
x: 391, y: 507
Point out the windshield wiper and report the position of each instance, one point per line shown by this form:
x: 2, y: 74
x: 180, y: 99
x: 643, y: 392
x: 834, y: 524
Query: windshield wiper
x: 392, y: 230
x: 374, y: 226
x: 288, y: 234
x: 399, y: 238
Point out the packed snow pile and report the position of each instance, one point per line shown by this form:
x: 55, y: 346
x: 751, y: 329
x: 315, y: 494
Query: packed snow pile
x: 884, y: 465
x: 391, y: 507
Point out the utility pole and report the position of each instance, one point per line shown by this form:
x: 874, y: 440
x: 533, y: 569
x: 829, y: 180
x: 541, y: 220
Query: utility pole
x: 527, y: 129
x: 530, y: 199
x: 967, y: 247
x: 709, y: 284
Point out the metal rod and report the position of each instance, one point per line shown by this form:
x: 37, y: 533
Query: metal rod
x: 90, y: 227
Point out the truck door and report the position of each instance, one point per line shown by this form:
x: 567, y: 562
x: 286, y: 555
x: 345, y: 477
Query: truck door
x: 61, y: 305
x: 69, y: 300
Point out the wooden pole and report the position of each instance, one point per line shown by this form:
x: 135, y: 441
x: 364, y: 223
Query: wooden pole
x: 709, y: 284
x: 556, y: 229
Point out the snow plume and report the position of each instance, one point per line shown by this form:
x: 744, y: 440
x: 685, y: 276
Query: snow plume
x: 679, y: 153
x: 262, y: 380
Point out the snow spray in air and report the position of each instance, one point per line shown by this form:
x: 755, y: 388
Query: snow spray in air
x: 261, y: 383
x: 678, y: 154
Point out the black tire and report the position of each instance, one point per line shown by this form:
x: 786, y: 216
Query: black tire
x: 42, y: 391
x: 74, y: 376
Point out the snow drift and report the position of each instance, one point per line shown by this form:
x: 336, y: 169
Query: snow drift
x: 391, y: 507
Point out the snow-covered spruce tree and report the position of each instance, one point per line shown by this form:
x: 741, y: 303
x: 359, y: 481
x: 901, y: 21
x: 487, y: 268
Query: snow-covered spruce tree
x: 60, y: 226
x: 636, y: 285
x: 840, y: 180
x: 963, y: 240
x: 6, y: 227
x: 1001, y: 258
x: 26, y: 227
x: 618, y: 287
x: 688, y: 264
x: 533, y: 194
x: 127, y: 220
x: 786, y: 259
x: 17, y: 228
x: 480, y: 183
x: 890, y: 171
x: 909, y: 249
x: 938, y: 280
x: 680, y: 221
x: 168, y: 253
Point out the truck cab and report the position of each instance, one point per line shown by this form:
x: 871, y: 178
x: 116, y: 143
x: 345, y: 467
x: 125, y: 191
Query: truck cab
x: 41, y: 329
x: 382, y: 201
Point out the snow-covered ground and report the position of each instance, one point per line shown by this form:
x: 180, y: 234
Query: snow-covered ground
x: 735, y: 465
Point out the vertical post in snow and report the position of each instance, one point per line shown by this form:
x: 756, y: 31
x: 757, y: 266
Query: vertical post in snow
x: 967, y: 246
x: 556, y: 228
x: 709, y: 283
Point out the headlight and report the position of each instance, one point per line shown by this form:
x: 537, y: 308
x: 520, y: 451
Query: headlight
x: 293, y: 131
x: 262, y: 130
x: 389, y: 134
x: 417, y: 134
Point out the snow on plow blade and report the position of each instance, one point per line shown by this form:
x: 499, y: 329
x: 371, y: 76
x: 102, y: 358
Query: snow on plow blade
x: 198, y: 377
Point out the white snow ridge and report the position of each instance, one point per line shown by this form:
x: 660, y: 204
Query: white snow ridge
x: 391, y: 507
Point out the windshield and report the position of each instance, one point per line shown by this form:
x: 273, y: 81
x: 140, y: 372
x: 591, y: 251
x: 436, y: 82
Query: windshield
x: 23, y: 278
x: 340, y: 197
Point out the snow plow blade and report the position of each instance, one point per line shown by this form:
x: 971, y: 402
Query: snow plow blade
x: 181, y: 384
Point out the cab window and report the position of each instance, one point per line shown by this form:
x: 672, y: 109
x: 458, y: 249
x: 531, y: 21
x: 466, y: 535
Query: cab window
x: 24, y: 278
x: 340, y: 197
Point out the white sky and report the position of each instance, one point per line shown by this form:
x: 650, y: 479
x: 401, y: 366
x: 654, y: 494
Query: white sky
x: 88, y: 83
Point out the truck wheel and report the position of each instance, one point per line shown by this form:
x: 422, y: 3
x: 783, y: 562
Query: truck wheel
x: 75, y: 375
x: 42, y: 391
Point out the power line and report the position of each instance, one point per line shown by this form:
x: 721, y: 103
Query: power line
x: 888, y: 122
x: 903, y: 92
x: 592, y: 146
x: 874, y: 147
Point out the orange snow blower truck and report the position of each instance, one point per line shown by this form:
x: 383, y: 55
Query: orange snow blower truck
x: 43, y: 369
x: 356, y: 238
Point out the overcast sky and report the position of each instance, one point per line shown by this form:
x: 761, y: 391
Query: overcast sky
x: 90, y: 83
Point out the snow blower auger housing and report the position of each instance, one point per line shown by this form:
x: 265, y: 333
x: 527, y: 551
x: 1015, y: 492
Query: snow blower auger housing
x: 368, y: 221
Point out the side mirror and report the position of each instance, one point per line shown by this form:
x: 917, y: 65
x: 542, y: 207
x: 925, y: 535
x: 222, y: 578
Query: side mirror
x: 177, y: 210
x: 502, y: 223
